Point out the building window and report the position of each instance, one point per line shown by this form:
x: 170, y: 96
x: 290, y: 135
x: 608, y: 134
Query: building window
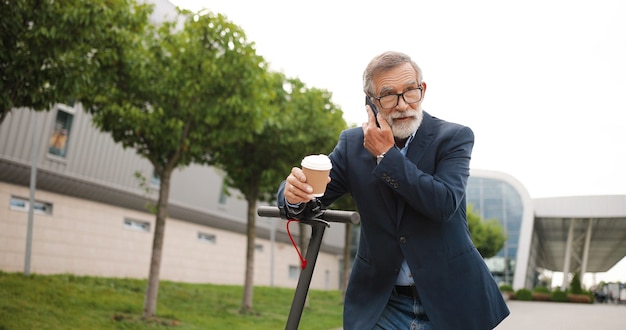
x: 137, y: 225
x: 223, y: 194
x: 61, y: 133
x: 155, y: 180
x: 209, y: 238
x: 23, y: 204
x: 294, y: 272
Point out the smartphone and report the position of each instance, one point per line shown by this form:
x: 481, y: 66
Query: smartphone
x: 369, y: 102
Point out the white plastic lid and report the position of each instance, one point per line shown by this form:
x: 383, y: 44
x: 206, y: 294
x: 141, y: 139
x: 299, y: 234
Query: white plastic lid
x: 319, y: 162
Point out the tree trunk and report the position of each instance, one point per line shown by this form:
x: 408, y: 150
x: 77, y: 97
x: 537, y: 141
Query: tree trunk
x: 150, y: 303
x: 248, y: 287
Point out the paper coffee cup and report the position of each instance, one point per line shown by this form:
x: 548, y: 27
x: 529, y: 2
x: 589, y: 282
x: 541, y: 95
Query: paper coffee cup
x: 316, y: 168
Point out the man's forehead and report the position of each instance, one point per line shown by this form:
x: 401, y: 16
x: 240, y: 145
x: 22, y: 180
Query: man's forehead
x: 399, y: 84
x: 400, y: 76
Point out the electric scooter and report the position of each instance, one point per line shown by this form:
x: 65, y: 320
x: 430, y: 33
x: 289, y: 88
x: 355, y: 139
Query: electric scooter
x: 318, y: 221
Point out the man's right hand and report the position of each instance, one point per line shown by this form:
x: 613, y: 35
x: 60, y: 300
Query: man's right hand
x: 296, y: 189
x: 377, y: 140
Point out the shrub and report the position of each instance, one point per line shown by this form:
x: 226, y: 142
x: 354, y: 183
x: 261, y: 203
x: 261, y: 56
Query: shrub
x: 558, y: 295
x: 541, y: 293
x: 523, y: 294
x: 575, y: 287
x: 506, y: 288
x: 507, y: 291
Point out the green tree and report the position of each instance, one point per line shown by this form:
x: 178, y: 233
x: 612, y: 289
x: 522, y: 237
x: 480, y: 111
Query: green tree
x: 172, y: 94
x: 302, y: 121
x: 575, y: 285
x: 487, y: 235
x: 48, y: 47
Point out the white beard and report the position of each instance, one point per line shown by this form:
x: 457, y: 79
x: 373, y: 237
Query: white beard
x: 405, y: 129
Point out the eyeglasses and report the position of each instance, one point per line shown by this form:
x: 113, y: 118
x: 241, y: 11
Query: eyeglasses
x: 391, y: 101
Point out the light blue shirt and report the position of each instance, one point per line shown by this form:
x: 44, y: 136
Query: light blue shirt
x: 405, y: 277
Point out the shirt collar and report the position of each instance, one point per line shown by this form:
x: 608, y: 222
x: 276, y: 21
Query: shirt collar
x: 406, y: 145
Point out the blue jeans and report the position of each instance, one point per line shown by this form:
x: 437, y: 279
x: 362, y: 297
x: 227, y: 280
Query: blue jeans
x: 403, y: 313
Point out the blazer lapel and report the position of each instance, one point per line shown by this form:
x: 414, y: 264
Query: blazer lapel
x: 423, y: 138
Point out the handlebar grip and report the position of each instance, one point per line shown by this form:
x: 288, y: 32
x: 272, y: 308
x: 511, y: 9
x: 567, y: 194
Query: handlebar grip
x: 268, y: 211
x: 327, y: 215
x: 341, y: 216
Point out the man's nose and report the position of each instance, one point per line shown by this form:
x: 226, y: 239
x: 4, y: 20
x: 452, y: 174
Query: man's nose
x: 402, y: 105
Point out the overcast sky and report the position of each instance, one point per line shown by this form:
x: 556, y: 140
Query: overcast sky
x: 541, y: 82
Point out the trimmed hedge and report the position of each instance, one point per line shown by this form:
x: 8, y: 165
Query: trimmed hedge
x: 559, y: 296
x: 541, y: 293
x: 506, y: 288
x: 523, y: 294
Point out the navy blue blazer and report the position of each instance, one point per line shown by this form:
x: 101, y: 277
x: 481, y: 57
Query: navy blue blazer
x: 414, y: 207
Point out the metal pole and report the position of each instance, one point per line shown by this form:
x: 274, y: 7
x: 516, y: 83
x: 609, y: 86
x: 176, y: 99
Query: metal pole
x: 304, y: 281
x: 31, y: 200
x: 568, y: 254
x: 272, y: 245
x: 583, y: 268
x: 505, y: 222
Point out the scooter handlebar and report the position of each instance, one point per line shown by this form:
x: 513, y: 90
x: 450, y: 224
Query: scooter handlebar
x: 326, y: 215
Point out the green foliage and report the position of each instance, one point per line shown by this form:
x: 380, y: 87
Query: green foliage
x: 541, y: 293
x: 523, y: 294
x: 558, y: 295
x: 173, y: 94
x: 541, y: 289
x: 506, y: 288
x: 488, y: 235
x: 344, y: 203
x: 82, y: 302
x: 299, y: 121
x: 48, y: 47
x: 147, y: 189
x: 575, y: 286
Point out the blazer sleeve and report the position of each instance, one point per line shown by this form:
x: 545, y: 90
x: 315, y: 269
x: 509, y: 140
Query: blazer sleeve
x: 434, y: 183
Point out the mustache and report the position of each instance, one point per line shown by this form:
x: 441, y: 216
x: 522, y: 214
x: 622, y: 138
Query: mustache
x: 405, y: 114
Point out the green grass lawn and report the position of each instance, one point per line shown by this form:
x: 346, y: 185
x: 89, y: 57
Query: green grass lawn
x: 82, y: 302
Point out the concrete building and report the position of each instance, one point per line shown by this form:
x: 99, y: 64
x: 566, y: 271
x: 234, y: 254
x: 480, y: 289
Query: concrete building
x: 582, y: 234
x: 499, y: 196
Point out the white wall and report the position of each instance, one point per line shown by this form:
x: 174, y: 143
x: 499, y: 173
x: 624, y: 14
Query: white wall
x: 88, y: 238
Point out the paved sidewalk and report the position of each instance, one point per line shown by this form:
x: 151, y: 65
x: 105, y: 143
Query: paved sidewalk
x: 538, y: 315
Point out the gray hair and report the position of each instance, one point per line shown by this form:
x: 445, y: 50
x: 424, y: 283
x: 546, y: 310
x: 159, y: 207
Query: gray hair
x: 385, y: 62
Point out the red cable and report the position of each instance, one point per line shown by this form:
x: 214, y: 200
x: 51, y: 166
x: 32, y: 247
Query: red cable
x: 302, y: 260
